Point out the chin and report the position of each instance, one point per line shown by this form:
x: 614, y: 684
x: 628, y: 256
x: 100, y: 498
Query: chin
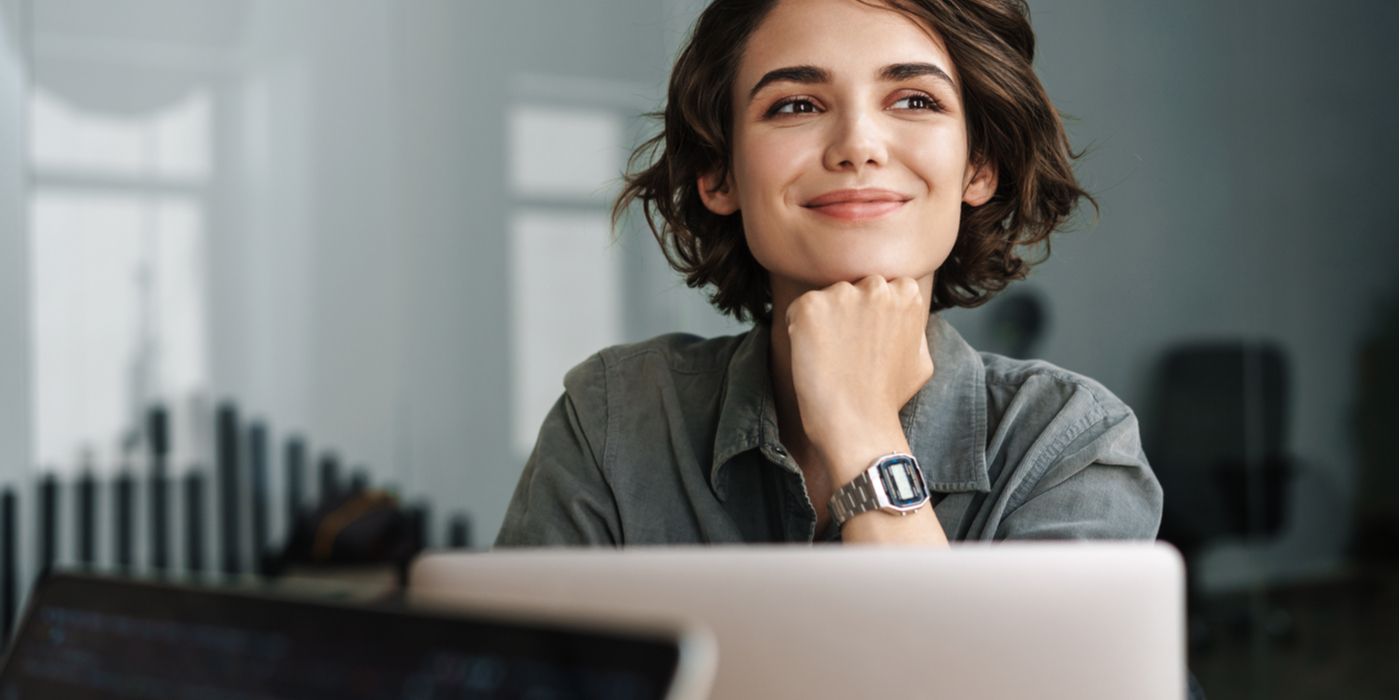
x: 826, y: 276
x: 850, y: 268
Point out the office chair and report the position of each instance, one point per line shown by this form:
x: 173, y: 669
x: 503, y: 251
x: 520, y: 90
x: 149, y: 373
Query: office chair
x: 1217, y: 445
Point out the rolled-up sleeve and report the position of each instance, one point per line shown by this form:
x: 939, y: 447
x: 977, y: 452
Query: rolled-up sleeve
x: 1095, y: 483
x: 563, y: 497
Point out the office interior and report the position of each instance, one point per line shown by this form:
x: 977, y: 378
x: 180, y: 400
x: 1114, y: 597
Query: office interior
x: 379, y: 231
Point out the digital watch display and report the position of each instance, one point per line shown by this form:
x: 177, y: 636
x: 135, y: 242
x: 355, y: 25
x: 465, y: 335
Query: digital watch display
x: 903, y: 481
x: 893, y: 483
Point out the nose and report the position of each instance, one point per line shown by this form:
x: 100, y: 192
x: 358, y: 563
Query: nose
x: 855, y: 144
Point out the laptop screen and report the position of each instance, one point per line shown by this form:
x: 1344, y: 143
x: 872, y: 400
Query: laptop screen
x: 95, y: 637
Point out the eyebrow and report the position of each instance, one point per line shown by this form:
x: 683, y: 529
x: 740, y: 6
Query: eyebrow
x: 813, y: 75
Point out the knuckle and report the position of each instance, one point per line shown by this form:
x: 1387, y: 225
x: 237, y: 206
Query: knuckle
x: 804, y: 307
x: 796, y: 310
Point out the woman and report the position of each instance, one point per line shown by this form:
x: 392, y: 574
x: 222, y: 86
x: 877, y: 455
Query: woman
x: 837, y: 172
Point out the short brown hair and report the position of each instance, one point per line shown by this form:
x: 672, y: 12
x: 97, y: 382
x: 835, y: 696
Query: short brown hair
x: 1010, y: 120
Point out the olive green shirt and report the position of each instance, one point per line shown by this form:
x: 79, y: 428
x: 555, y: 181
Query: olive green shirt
x: 675, y: 441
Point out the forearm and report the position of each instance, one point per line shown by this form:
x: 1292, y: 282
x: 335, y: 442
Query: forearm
x: 857, y: 353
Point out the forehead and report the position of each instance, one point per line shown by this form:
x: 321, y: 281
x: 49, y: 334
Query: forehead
x: 851, y: 39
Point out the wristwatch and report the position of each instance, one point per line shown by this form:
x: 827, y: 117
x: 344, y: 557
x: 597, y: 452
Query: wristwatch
x: 892, y: 483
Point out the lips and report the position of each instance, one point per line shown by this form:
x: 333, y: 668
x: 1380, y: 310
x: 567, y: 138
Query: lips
x: 859, y: 204
x: 845, y: 196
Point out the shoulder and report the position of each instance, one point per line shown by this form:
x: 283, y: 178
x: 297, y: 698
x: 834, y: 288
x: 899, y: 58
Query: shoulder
x: 665, y: 390
x: 1052, y: 420
x: 1069, y: 455
x: 662, y: 356
x: 1054, y: 423
x: 1047, y: 387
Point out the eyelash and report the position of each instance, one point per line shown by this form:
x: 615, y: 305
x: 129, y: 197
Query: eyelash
x: 775, y: 111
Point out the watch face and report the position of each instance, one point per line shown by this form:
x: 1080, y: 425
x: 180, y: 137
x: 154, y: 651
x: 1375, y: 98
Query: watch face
x: 903, y: 482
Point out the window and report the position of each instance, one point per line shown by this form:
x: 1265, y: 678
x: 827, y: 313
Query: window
x: 566, y: 277
x: 117, y: 234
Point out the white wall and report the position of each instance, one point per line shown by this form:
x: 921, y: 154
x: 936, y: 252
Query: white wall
x: 14, y: 251
x: 15, y: 406
x: 376, y: 160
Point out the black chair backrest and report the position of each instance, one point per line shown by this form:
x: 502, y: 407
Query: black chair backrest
x: 1218, y: 440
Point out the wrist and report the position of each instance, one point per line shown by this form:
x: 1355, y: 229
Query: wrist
x: 845, y: 454
x: 892, y: 485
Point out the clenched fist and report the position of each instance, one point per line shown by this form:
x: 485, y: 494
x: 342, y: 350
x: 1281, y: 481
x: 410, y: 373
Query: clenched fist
x: 858, y: 354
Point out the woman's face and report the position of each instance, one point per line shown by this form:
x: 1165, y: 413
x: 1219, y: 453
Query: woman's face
x: 850, y: 147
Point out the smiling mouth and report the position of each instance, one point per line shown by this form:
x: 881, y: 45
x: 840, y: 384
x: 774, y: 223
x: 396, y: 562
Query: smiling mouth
x: 858, y: 211
x: 857, y: 205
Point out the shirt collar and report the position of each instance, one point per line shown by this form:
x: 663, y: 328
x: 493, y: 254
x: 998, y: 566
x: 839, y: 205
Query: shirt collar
x: 945, y: 422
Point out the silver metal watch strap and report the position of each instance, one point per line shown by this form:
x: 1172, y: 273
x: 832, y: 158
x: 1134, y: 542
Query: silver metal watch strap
x: 856, y: 497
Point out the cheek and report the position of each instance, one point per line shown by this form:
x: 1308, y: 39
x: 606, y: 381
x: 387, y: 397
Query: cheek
x: 763, y: 234
x: 764, y: 170
x: 940, y: 162
x: 938, y: 159
x: 766, y: 166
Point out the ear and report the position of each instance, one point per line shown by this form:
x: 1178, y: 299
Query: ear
x: 720, y: 197
x: 982, y: 183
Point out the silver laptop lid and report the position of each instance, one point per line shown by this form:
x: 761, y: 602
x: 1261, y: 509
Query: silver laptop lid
x: 1004, y: 621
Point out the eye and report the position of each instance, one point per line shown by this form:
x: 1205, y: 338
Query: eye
x: 795, y: 105
x: 920, y: 101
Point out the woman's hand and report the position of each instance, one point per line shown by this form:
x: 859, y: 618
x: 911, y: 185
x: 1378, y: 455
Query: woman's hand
x: 859, y: 353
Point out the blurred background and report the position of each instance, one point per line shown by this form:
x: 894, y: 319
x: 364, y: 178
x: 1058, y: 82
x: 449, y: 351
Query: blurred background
x: 375, y: 233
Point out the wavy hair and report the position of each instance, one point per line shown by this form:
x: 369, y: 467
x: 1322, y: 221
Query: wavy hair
x: 1011, y: 125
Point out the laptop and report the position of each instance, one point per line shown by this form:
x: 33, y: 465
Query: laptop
x: 95, y: 637
x: 1016, y: 620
